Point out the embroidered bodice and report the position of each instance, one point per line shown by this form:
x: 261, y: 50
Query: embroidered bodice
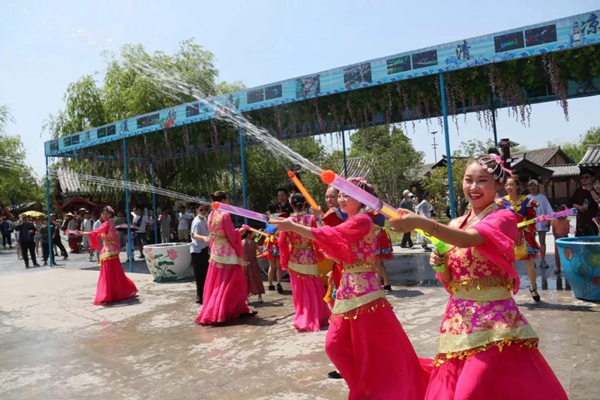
x: 297, y: 252
x: 226, y: 242
x: 105, y: 239
x: 481, y: 311
x: 353, y: 245
x: 524, y: 208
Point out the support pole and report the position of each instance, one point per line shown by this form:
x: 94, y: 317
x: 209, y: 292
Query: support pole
x: 234, y: 190
x: 494, y: 123
x: 154, y: 203
x: 50, y: 228
x: 448, y: 152
x: 344, y: 153
x: 243, y: 167
x: 130, y: 251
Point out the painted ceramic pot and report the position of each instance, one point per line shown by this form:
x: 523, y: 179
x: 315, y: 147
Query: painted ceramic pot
x: 168, y: 261
x: 580, y: 260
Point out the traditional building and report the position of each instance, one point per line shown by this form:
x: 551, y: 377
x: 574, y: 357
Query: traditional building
x: 556, y: 172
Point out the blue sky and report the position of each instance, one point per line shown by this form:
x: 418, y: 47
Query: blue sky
x: 48, y: 44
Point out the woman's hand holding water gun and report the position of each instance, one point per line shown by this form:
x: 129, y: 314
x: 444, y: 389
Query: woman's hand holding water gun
x: 436, y: 259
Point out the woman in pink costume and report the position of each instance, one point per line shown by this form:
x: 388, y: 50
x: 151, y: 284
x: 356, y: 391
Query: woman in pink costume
x: 225, y: 289
x: 486, y: 348
x: 299, y: 256
x: 526, y: 247
x: 113, y: 285
x: 365, y: 340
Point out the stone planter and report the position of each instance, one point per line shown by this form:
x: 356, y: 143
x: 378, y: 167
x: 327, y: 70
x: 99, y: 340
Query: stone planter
x: 168, y: 261
x: 580, y: 261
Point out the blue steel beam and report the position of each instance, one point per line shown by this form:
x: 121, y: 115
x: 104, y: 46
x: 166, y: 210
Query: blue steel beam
x: 554, y: 36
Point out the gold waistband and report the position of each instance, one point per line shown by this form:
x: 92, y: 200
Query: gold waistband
x: 342, y: 306
x: 302, y: 246
x: 491, y: 288
x: 306, y: 269
x: 358, y: 268
x: 219, y: 238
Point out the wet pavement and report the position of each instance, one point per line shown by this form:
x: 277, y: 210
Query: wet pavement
x: 54, y: 344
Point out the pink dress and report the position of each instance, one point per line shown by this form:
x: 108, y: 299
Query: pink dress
x: 365, y: 340
x: 113, y: 285
x: 226, y: 288
x: 486, y: 348
x: 298, y: 255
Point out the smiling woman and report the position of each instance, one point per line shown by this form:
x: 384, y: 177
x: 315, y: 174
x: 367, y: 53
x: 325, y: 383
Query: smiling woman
x: 483, y: 333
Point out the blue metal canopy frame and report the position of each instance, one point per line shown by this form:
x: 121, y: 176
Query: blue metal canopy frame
x: 554, y: 36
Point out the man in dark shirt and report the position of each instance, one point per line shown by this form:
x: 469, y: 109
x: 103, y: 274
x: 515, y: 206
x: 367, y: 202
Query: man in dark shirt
x: 282, y: 198
x: 586, y: 205
x: 26, y: 231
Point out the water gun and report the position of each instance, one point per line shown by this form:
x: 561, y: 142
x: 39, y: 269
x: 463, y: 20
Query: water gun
x: 246, y: 227
x: 242, y: 212
x: 331, y: 178
x: 548, y: 217
x: 309, y: 199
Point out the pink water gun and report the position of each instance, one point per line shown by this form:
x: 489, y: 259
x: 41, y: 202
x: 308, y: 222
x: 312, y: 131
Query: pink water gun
x: 564, y: 213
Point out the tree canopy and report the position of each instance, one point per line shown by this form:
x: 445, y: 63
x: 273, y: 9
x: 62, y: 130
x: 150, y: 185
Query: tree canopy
x: 391, y: 158
x: 576, y: 150
x: 18, y: 183
x: 126, y: 90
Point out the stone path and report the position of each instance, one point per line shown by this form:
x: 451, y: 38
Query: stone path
x: 54, y: 344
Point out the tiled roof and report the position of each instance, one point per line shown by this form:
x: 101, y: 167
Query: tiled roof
x: 538, y: 156
x: 426, y: 169
x: 357, y: 166
x: 591, y: 157
x: 561, y: 171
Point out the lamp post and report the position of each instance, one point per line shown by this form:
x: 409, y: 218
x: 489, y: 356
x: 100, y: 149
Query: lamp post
x: 434, y: 145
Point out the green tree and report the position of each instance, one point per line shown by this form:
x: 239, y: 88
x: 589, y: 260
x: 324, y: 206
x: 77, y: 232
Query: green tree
x: 130, y: 87
x: 437, y: 182
x: 266, y: 173
x: 18, y: 183
x: 576, y: 150
x: 391, y: 157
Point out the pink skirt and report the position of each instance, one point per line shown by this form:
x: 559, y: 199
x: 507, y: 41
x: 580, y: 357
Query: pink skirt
x: 374, y: 356
x: 307, y: 293
x: 514, y: 373
x: 225, y: 293
x: 113, y: 284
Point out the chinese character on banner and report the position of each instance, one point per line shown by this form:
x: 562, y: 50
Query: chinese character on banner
x: 590, y: 25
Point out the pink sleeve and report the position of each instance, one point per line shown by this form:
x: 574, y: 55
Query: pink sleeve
x: 234, y: 236
x: 284, y: 250
x: 499, y: 231
x: 336, y: 240
x: 94, y: 236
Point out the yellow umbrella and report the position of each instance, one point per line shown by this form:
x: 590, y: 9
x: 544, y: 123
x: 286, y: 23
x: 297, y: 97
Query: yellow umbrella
x: 34, y: 214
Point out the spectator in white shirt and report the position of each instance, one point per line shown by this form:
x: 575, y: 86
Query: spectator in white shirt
x: 164, y: 220
x: 199, y: 249
x: 543, y: 208
x: 87, y: 226
x: 183, y: 226
x: 140, y: 221
x: 424, y: 209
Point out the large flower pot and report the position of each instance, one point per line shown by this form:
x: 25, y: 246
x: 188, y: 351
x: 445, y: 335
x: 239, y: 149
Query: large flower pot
x: 580, y: 260
x: 168, y: 261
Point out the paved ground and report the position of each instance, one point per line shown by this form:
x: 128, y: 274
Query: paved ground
x: 54, y: 344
